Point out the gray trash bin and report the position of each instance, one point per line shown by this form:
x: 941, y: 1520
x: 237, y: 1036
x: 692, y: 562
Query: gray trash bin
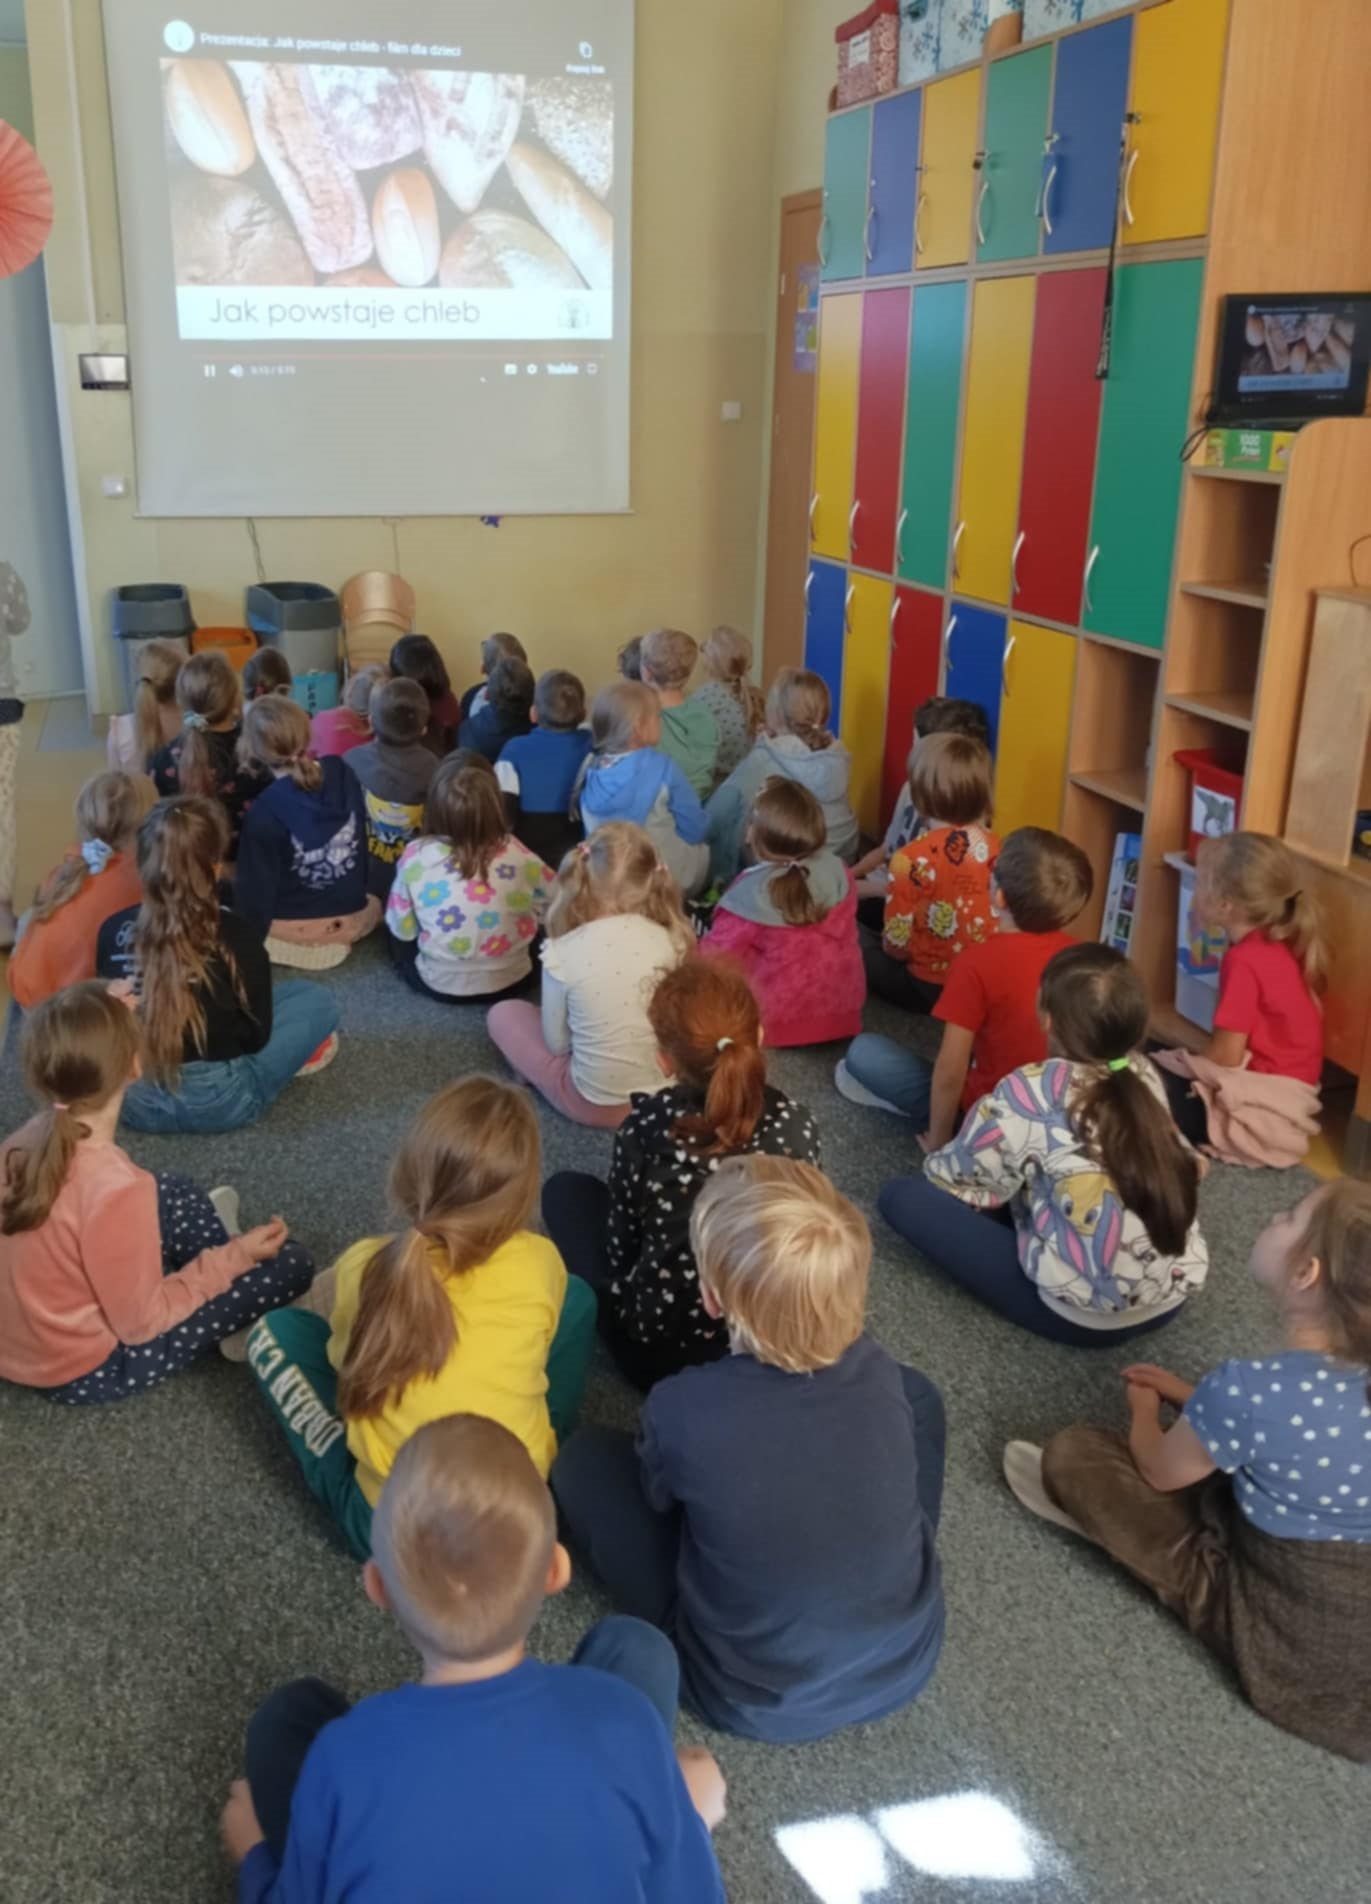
x: 148, y: 611
x: 304, y: 621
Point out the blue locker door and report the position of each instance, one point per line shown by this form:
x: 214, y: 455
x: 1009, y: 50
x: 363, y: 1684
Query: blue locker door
x: 1080, y: 187
x: 826, y: 629
x: 894, y: 185
x: 973, y: 648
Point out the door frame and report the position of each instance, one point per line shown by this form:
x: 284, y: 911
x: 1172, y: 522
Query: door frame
x: 783, y: 596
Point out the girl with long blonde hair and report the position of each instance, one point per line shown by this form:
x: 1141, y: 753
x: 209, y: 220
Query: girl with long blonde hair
x: 737, y: 704
x: 134, y: 739
x: 112, y: 1279
x: 97, y: 878
x: 302, y: 859
x: 627, y: 777
x: 219, y: 1042
x: 615, y: 925
x: 463, y: 1310
x: 203, y: 758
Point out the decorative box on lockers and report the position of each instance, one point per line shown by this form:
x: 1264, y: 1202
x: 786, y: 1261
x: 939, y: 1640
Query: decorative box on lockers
x: 869, y: 53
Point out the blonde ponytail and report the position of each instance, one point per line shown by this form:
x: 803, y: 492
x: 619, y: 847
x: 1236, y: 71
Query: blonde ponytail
x: 210, y: 695
x: 109, y: 810
x: 159, y: 666
x: 1260, y: 876
x: 276, y: 735
x: 616, y: 872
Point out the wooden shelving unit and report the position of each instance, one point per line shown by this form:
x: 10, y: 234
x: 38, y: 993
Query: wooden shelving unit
x: 1234, y: 709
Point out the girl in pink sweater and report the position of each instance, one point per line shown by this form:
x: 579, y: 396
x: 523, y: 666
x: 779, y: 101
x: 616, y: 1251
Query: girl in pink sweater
x: 790, y: 922
x: 112, y: 1279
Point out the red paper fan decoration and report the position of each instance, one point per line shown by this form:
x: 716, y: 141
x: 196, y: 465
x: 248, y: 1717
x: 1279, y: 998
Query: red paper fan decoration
x: 25, y: 202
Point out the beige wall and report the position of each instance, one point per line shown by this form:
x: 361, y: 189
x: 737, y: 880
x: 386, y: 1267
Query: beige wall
x: 574, y: 588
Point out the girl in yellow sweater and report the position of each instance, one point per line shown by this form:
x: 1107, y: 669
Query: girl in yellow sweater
x: 464, y: 1311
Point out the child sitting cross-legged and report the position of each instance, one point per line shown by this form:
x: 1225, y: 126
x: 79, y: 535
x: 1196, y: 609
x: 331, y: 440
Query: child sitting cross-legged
x: 463, y: 1310
x: 203, y: 758
x: 627, y: 776
x: 1249, y: 1515
x: 111, y: 1279
x: 494, y: 649
x: 416, y: 658
x: 630, y: 1238
x: 690, y: 732
x: 98, y: 878
x: 1252, y: 1096
x: 614, y: 926
x: 421, y: 1793
x: 538, y: 771
x: 396, y: 769
x: 778, y: 1515
x: 220, y: 1042
x: 302, y: 858
x: 1068, y: 1204
x: 468, y: 898
x: 940, y: 714
x: 737, y: 706
x: 266, y: 672
x: 337, y: 730
x: 938, y: 901
x: 989, y: 1005
x: 155, y: 722
x: 790, y: 922
x: 506, y: 713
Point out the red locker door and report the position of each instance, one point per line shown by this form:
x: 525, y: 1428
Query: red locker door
x: 916, y: 633
x: 1059, y: 446
x: 880, y: 428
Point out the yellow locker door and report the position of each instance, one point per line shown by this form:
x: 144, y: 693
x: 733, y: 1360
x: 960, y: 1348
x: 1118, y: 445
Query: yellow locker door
x: 866, y: 678
x: 993, y: 437
x: 1035, y: 723
x: 942, y: 223
x: 835, y: 428
x: 1178, y: 56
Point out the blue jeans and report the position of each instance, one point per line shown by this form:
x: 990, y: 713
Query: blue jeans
x: 289, y: 1720
x: 887, y: 1070
x: 979, y: 1250
x: 224, y: 1097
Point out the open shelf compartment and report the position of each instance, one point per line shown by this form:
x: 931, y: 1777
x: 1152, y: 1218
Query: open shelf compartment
x: 1111, y: 731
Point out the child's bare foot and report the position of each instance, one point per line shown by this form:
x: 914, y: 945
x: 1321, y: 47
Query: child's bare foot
x: 705, y: 1782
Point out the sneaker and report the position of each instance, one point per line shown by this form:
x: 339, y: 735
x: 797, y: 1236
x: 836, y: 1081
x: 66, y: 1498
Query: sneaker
x: 856, y: 1093
x: 322, y: 1058
x: 1023, y: 1470
x: 228, y: 1208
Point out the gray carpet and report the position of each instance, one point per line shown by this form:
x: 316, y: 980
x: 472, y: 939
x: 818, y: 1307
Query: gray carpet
x: 163, y: 1568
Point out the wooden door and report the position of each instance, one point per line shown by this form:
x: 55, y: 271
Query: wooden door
x: 1143, y: 423
x: 1081, y: 183
x: 880, y: 428
x: 792, y: 435
x: 1038, y: 676
x: 893, y: 185
x: 835, y: 424
x: 847, y: 150
x: 1177, y: 79
x: 947, y: 179
x: 933, y: 405
x: 992, y: 436
x: 973, y: 659
x: 1017, y: 91
x: 826, y: 628
x: 916, y: 634
x: 866, y: 676
x: 1059, y: 446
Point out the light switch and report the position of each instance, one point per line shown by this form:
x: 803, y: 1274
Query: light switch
x: 733, y: 413
x: 114, y: 485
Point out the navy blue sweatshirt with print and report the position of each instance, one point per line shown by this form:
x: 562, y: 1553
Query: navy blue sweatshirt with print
x: 304, y: 855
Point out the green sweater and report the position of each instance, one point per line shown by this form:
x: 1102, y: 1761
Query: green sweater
x: 690, y: 734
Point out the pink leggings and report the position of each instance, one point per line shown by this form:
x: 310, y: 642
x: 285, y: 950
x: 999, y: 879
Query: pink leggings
x: 517, y: 1032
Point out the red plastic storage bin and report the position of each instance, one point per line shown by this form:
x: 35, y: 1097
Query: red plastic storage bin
x: 869, y: 53
x: 1215, y: 795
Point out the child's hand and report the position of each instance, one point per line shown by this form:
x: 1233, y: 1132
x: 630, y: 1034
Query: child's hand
x: 1144, y: 1404
x: 123, y: 989
x: 266, y: 1240
x: 705, y: 1782
x: 238, y: 1826
x: 1169, y: 1387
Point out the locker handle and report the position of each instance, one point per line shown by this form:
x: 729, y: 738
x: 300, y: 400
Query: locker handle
x: 1133, y: 158
x: 1004, y: 670
x: 853, y: 513
x: 809, y: 583
x: 947, y: 640
x: 1019, y: 541
x: 899, y: 537
x: 823, y: 238
x: 894, y: 617
x: 870, y: 216
x: 980, y: 208
x: 1050, y: 144
x: 919, y: 204
x: 957, y: 549
x: 847, y: 608
x: 1048, y: 183
x: 1089, y: 571
x: 813, y: 507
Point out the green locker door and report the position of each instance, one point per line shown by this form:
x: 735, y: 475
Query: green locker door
x: 1017, y: 95
x: 842, y: 236
x: 938, y: 341
x: 1144, y: 420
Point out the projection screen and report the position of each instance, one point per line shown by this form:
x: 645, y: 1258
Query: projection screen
x: 376, y: 253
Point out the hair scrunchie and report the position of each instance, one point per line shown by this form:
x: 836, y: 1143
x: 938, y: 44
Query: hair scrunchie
x: 97, y: 854
x: 194, y: 720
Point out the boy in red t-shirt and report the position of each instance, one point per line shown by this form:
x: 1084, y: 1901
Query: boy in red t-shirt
x: 989, y: 1005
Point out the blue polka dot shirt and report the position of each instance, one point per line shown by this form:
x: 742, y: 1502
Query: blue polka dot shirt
x: 1294, y: 1431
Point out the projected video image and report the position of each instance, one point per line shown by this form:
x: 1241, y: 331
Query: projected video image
x: 383, y: 182
x: 1297, y: 350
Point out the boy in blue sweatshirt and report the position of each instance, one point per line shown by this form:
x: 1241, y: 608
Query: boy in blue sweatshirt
x: 538, y: 771
x: 495, y: 1777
